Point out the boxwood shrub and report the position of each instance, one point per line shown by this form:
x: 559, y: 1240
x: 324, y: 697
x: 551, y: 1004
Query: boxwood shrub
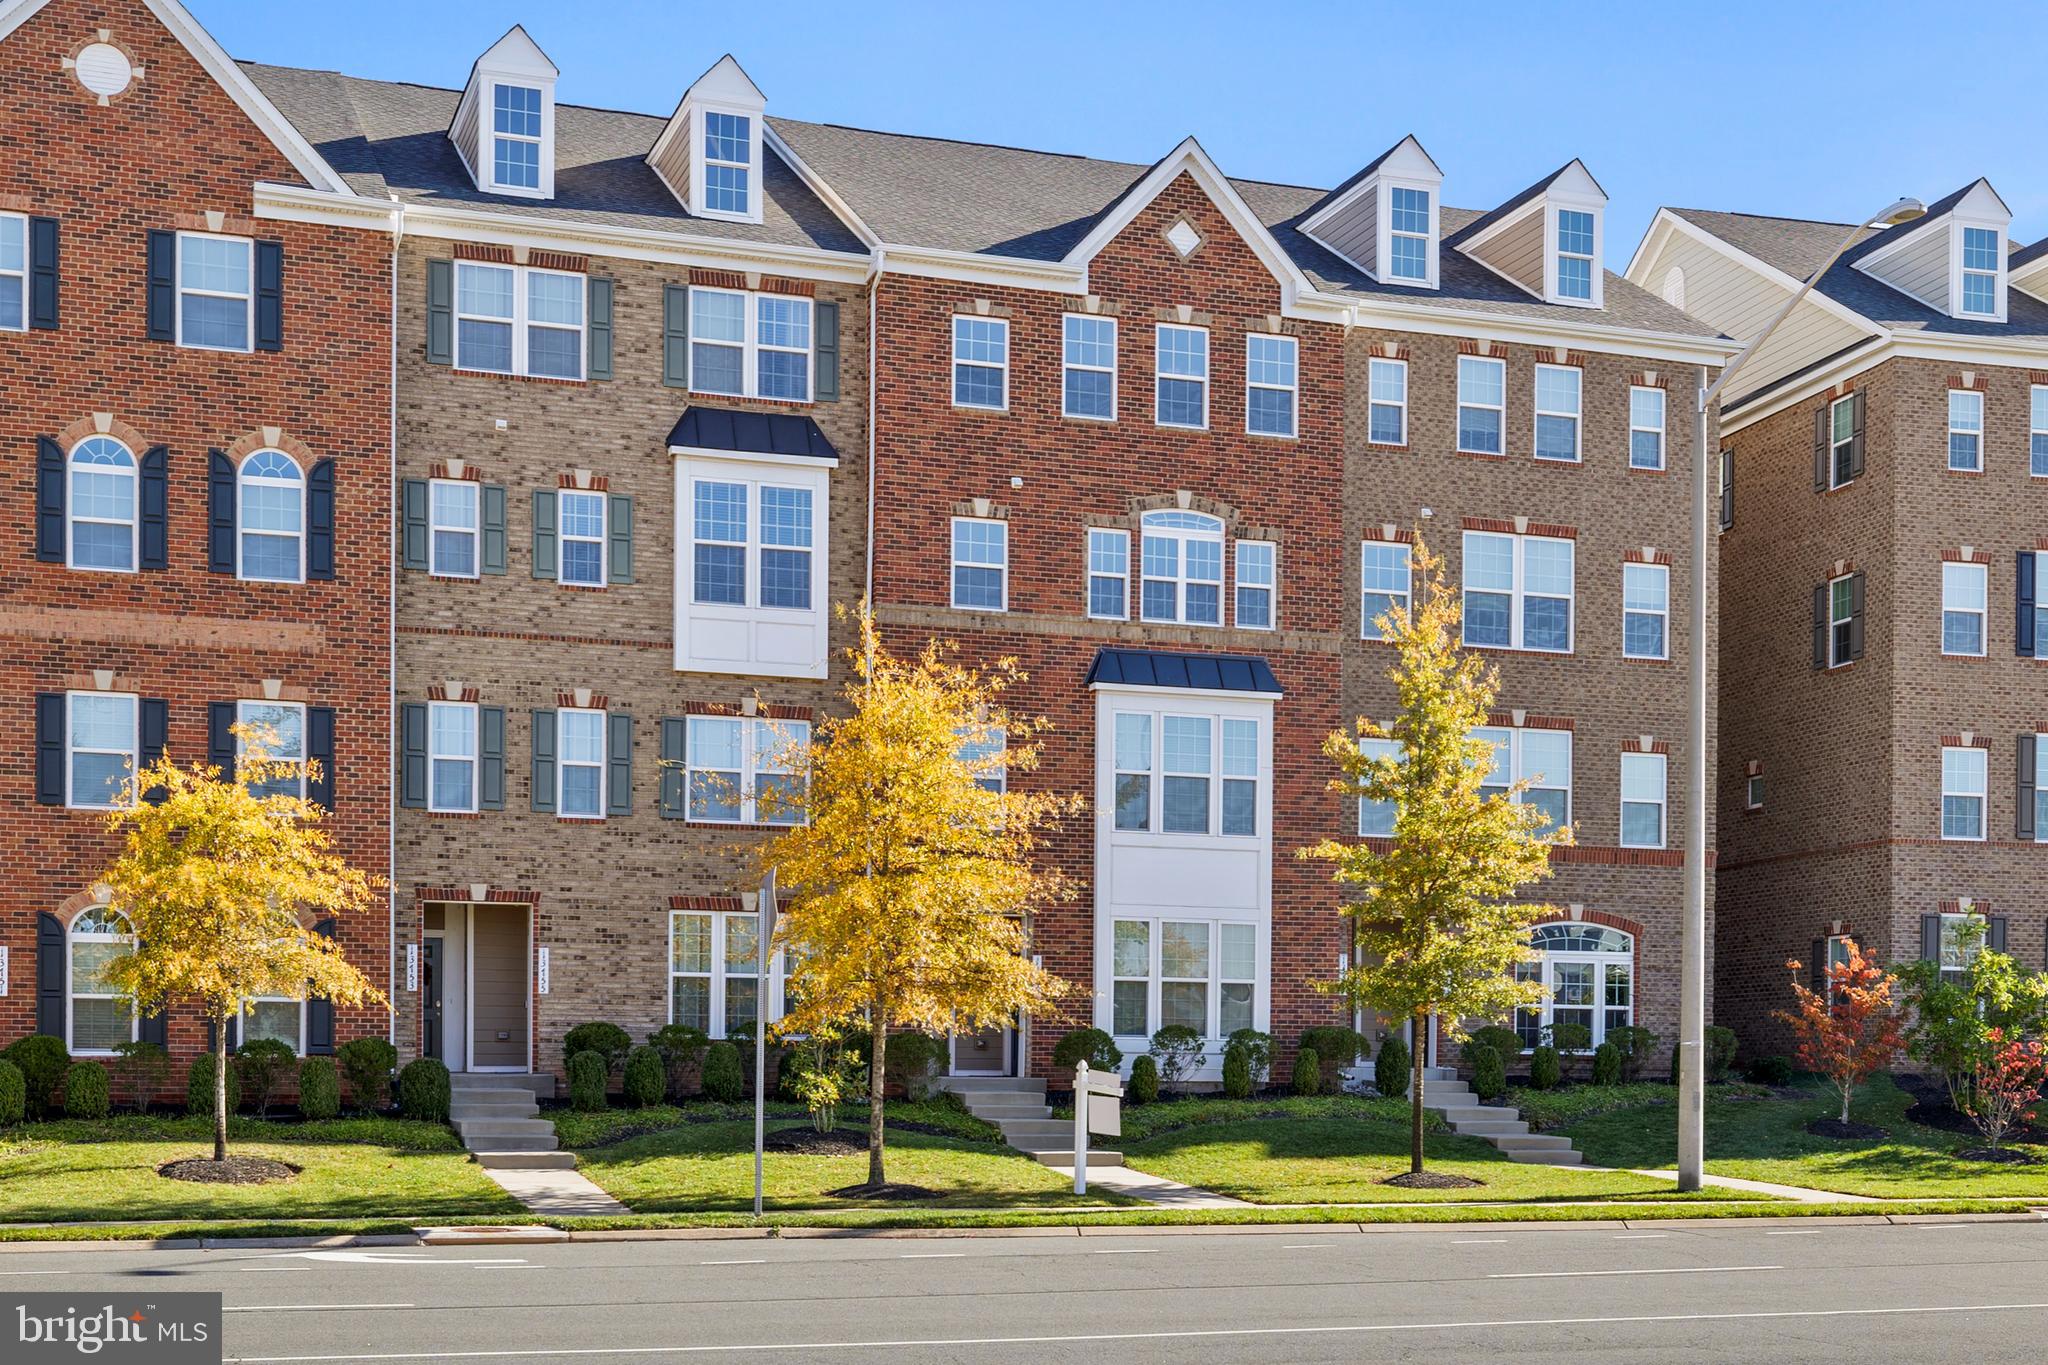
x: 425, y: 1090
x: 85, y: 1091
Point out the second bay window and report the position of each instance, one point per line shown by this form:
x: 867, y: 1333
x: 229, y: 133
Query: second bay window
x: 1187, y: 774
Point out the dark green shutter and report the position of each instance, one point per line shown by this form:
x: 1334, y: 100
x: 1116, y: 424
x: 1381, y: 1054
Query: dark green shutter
x: 413, y: 515
x: 599, y: 334
x: 1994, y: 933
x: 269, y: 296
x: 49, y: 501
x: 412, y: 755
x: 1856, y: 616
x: 162, y: 294
x: 544, y: 533
x: 490, y: 754
x: 220, y: 512
x: 2024, y: 643
x: 220, y: 737
x: 1817, y: 968
x: 1856, y: 441
x: 320, y: 1011
x: 619, y: 777
x: 1821, y: 448
x: 2023, y: 788
x: 440, y: 312
x: 675, y: 336
x: 155, y: 724
x: 827, y: 333
x: 1930, y: 938
x: 493, y: 548
x: 619, y: 525
x: 544, y: 761
x: 1820, y: 626
x: 673, y: 805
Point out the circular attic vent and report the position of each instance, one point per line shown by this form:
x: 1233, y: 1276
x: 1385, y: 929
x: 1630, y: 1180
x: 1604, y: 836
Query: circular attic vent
x: 104, y: 69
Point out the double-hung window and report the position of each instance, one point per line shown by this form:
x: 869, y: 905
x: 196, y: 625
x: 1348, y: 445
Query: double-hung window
x: 1542, y: 758
x: 216, y: 291
x: 728, y: 152
x: 1963, y: 776
x: 981, y: 564
x: 1966, y: 431
x: 13, y: 272
x: 1181, y: 392
x: 1961, y: 939
x: 1204, y: 769
x: 1753, y: 792
x: 714, y: 973
x: 1642, y: 800
x: 1407, y: 233
x: 515, y: 137
x: 2041, y: 789
x: 1181, y: 568
x: 270, y: 501
x: 1645, y: 427
x: 580, y: 523
x: 1518, y: 592
x: 724, y: 548
x: 1109, y: 574
x: 1963, y: 606
x: 519, y: 320
x: 1257, y: 582
x: 1841, y: 620
x: 1387, y: 418
x: 451, y: 756
x: 2037, y: 431
x: 1980, y: 271
x: 1198, y: 974
x: 102, y: 505
x: 1557, y: 412
x: 1270, y: 381
x: 1386, y: 584
x: 1482, y: 405
x: 745, y: 770
x: 985, y: 752
x: 100, y: 748
x: 1645, y: 611
x: 452, y: 522
x: 1575, y: 254
x: 580, y: 763
x: 279, y: 727
x: 1376, y: 818
x: 1088, y: 365
x: 278, y: 1018
x: 101, y: 1018
x: 750, y: 345
x: 981, y: 362
x: 1842, y: 441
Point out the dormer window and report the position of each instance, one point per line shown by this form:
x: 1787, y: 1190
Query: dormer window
x: 1980, y: 271
x: 1385, y: 219
x: 515, y: 142
x: 710, y: 153
x: 1575, y: 254
x: 504, y: 126
x: 1408, y: 234
x: 728, y: 163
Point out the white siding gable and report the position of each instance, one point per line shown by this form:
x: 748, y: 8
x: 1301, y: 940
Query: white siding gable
x: 721, y: 95
x: 1359, y: 224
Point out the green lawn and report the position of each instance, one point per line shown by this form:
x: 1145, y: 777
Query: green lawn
x: 1343, y: 1160
x: 710, y: 1167
x: 596, y: 1129
x: 1143, y: 1122
x: 351, y: 1168
x: 1766, y: 1140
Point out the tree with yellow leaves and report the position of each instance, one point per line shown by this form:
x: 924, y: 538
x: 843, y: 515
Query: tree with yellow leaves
x: 917, y: 857
x: 1437, y: 926
x: 219, y: 886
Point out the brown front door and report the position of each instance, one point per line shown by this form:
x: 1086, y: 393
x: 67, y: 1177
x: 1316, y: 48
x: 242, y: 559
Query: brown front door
x: 499, y: 1005
x: 985, y: 1052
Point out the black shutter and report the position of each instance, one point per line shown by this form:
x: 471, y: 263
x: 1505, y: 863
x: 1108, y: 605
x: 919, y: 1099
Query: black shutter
x: 2024, y: 643
x: 412, y: 759
x: 1817, y: 968
x: 1994, y: 933
x: 49, y: 975
x: 155, y: 724
x: 320, y: 521
x: 50, y: 748
x: 154, y: 508
x: 413, y: 519
x: 491, y: 505
x: 44, y: 275
x: 220, y: 512
x: 1856, y: 616
x: 599, y: 329
x: 2023, y: 788
x: 619, y: 774
x: 1820, y: 626
x: 270, y: 296
x: 675, y: 336
x: 440, y: 312
x: 1856, y: 442
x: 319, y: 1011
x: 234, y: 1033
x: 826, y: 324
x: 49, y: 501
x: 1727, y: 489
x: 544, y: 761
x: 490, y: 758
x: 153, y: 1028
x: 619, y: 526
x: 1820, y: 448
x: 673, y: 806
x: 220, y: 737
x: 1930, y: 938
x: 320, y: 750
x: 163, y: 286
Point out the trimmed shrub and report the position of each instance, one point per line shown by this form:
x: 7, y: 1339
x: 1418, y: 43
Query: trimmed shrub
x: 1257, y: 1050
x: 724, y: 1081
x: 1390, y: 1069
x: 608, y: 1041
x: 1544, y: 1071
x: 263, y: 1064
x: 366, y: 1064
x: 1143, y: 1087
x: 1772, y: 1070
x: 682, y: 1051
x: 424, y: 1090
x: 1308, y: 1072
x: 587, y: 1078
x: 1237, y: 1076
x: 1338, y: 1047
x: 1090, y: 1045
x: 199, y: 1087
x: 1721, y: 1045
x: 85, y: 1091
x: 1489, y: 1072
x: 140, y: 1070
x: 1635, y: 1045
x: 1572, y: 1042
x: 1607, y: 1065
x: 1178, y: 1051
x: 43, y: 1061
x: 13, y: 1094
x: 911, y: 1060
x: 1501, y: 1039
x: 646, y: 1077
x: 319, y: 1088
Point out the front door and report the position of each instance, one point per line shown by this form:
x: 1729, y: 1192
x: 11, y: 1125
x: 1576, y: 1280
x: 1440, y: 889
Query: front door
x: 430, y: 999
x: 985, y: 1052
x: 500, y: 1000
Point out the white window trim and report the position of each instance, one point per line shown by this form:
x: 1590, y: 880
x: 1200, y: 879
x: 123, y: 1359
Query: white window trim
x: 1828, y: 962
x: 1518, y: 594
x: 539, y: 143
x: 72, y: 995
x: 1834, y: 622
x: 1663, y: 571
x: 2037, y: 427
x: 1124, y: 578
x: 603, y: 537
x: 754, y: 546
x: 1374, y: 748
x: 1552, y: 255
x: 1159, y: 332
x: 1212, y: 1031
x: 242, y: 1016
x: 1577, y: 416
x: 1663, y: 420
x: 953, y: 368
x: 1216, y: 777
x: 750, y: 773
x: 521, y: 322
x: 1545, y: 1012
x: 1182, y: 535
x: 776, y: 1004
x: 1239, y: 585
x: 1372, y: 402
x: 1407, y: 595
x: 304, y: 487
x: 248, y: 300
x: 1753, y: 791
x: 603, y: 764
x: 1115, y: 356
x: 700, y: 162
x: 304, y: 738
x: 72, y: 517
x: 133, y: 752
x: 1951, y: 928
x: 27, y: 264
x: 1500, y: 366
x: 1957, y: 272
x: 1663, y: 802
x: 474, y: 757
x: 954, y: 563
x: 1954, y: 431
x: 1835, y: 446
x: 750, y: 346
x: 1293, y: 391
x: 1385, y: 244
x: 475, y: 532
x: 780, y: 642
x: 1982, y: 796
x: 1517, y: 767
x: 1983, y: 613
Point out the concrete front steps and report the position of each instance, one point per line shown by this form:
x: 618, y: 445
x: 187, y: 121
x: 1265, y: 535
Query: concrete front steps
x: 497, y: 1116
x: 1498, y: 1124
x: 1017, y: 1105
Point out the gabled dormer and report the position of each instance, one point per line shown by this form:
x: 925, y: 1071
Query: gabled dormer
x: 504, y: 128
x: 709, y: 156
x: 1953, y: 259
x: 1384, y: 219
x: 1548, y: 239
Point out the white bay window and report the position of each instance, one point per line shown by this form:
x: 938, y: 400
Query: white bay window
x: 751, y: 586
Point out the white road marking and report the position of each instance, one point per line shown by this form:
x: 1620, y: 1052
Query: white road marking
x: 932, y: 1255
x: 1342, y: 1329
x: 1640, y: 1236
x: 1479, y: 1241
x: 404, y: 1258
x: 34, y: 1272
x: 1797, y: 1232
x: 762, y: 1261
x: 1302, y: 1246
x: 1673, y: 1270
x: 311, y: 1307
x: 1125, y: 1251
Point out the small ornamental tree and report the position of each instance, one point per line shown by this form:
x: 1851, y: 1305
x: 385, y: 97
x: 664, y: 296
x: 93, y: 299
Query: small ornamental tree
x: 1955, y: 1011
x: 222, y: 887
x: 1853, y: 1029
x: 1438, y: 930
x: 2007, y: 1085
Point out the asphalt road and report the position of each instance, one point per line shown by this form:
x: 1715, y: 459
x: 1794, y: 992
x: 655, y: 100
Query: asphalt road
x: 1786, y: 1291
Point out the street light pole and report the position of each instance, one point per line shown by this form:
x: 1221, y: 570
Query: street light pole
x: 1692, y: 971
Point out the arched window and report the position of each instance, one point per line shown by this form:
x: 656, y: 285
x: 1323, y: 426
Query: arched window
x: 1181, y: 566
x: 1588, y: 973
x: 99, y: 1016
x: 272, y: 500
x: 1674, y: 287
x: 102, y: 505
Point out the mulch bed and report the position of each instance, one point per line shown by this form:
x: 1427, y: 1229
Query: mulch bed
x: 1835, y: 1128
x: 236, y: 1170
x: 886, y: 1192
x: 1931, y: 1109
x: 2004, y: 1155
x: 1432, y: 1180
x: 811, y: 1142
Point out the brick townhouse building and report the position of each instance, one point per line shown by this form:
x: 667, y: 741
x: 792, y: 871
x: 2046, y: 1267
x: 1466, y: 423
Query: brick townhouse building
x: 1882, y: 531
x: 197, y: 457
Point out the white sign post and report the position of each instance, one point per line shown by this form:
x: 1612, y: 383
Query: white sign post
x: 1097, y: 1109
x: 766, y: 932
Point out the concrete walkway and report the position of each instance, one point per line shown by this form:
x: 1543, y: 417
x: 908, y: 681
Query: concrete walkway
x: 562, y: 1192
x: 1152, y: 1189
x: 1798, y: 1193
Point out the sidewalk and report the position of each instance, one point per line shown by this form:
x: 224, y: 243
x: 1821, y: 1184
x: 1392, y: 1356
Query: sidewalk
x: 1153, y: 1189
x: 1798, y: 1193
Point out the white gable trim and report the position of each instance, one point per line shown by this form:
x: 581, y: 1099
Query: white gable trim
x: 830, y: 197
x: 1396, y: 164
x: 1666, y: 220
x: 231, y: 79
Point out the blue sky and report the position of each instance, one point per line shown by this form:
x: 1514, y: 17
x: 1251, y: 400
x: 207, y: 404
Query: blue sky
x: 1769, y: 108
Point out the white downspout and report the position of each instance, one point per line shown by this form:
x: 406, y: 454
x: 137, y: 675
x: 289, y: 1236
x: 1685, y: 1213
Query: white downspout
x: 874, y: 282
x: 391, y: 652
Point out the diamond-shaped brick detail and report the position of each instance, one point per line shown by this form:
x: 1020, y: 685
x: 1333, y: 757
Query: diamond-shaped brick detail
x: 1183, y: 238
